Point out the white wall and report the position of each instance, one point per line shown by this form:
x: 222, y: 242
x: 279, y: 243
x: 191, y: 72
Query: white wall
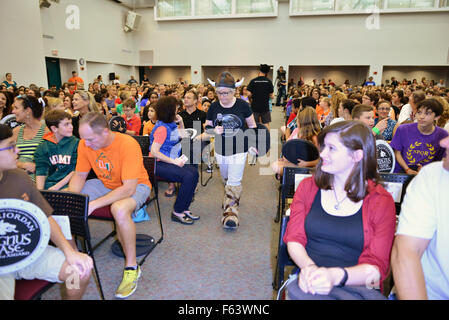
x: 168, y: 75
x: 339, y: 74
x: 22, y: 51
x: 402, y: 39
x: 238, y: 72
x: 407, y: 39
x: 100, y: 36
x: 67, y: 66
x: 410, y: 73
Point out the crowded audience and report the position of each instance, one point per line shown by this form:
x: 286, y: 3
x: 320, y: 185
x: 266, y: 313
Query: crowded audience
x: 57, y: 133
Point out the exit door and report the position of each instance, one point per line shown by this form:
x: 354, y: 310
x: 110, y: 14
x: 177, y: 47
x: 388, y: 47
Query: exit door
x: 53, y: 72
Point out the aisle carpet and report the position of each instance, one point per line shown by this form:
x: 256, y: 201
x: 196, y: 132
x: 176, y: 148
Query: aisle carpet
x: 203, y: 261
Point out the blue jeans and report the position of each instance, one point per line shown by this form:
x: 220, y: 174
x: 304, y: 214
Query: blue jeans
x: 281, y: 94
x: 186, y: 175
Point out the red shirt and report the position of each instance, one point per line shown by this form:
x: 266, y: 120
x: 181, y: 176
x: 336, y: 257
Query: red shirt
x: 133, y: 124
x: 292, y: 116
x: 379, y: 223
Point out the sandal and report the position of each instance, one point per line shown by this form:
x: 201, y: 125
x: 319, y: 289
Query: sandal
x: 191, y: 215
x: 183, y: 220
x: 170, y: 193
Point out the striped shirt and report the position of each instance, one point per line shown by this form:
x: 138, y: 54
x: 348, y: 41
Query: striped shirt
x: 28, y: 147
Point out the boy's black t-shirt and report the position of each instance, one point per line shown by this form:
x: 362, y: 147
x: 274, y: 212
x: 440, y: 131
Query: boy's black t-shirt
x: 232, y: 141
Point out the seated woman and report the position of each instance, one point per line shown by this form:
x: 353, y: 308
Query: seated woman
x: 308, y: 129
x: 165, y: 147
x: 28, y: 110
x: 342, y: 222
x: 5, y: 104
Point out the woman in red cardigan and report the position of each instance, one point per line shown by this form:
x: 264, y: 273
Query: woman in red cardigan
x: 342, y: 221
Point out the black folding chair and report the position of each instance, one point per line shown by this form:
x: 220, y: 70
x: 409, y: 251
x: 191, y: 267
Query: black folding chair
x: 287, y: 188
x: 75, y: 206
x: 282, y: 259
x: 287, y: 192
x: 401, y: 178
x: 105, y: 213
x: 144, y: 143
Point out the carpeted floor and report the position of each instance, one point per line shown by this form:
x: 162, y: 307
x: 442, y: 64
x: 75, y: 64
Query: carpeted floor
x: 202, y: 261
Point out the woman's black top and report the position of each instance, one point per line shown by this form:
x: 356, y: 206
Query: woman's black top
x: 333, y: 241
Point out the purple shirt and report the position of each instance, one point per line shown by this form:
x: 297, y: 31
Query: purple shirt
x: 416, y: 147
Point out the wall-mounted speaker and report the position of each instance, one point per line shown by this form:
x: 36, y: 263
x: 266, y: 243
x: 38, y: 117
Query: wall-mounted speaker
x: 111, y: 76
x: 132, y: 21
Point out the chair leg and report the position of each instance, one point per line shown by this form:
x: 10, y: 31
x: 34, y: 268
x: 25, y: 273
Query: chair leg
x: 278, y: 213
x: 275, y: 283
x: 201, y: 176
x: 90, y: 252
x: 158, y: 212
x: 113, y: 233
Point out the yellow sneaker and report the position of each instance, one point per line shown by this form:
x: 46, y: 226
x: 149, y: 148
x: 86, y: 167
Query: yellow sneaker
x: 128, y: 284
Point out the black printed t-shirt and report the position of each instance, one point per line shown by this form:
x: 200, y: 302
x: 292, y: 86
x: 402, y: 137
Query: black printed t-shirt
x: 260, y: 88
x: 232, y: 141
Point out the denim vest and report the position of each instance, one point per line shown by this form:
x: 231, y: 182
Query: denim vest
x: 171, y: 146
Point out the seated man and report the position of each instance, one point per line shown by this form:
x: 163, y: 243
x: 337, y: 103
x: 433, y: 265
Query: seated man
x: 420, y: 259
x: 122, y: 183
x: 194, y: 118
x: 55, y: 264
x: 417, y: 144
x: 56, y: 156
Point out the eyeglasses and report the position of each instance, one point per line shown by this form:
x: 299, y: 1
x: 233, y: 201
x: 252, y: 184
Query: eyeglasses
x: 13, y: 147
x: 224, y: 93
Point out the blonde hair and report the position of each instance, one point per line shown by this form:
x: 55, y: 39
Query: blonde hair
x: 308, y: 124
x: 89, y: 97
x: 52, y: 103
x: 337, y: 98
x: 445, y: 115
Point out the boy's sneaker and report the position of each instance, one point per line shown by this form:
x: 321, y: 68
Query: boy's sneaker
x: 128, y: 284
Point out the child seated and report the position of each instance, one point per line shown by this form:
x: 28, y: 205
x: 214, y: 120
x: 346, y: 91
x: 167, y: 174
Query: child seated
x: 56, y: 156
x: 417, y: 144
x: 308, y: 128
x: 133, y: 122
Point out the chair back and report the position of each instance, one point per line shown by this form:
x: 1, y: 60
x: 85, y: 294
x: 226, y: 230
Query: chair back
x: 73, y: 205
x: 396, y: 184
x: 289, y: 185
x: 150, y: 165
x: 144, y: 143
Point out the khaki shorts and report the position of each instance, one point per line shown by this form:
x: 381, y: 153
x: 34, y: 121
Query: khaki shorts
x: 95, y: 189
x: 46, y: 267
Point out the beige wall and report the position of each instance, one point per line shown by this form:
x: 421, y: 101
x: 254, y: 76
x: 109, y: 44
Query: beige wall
x: 407, y: 39
x: 22, y: 51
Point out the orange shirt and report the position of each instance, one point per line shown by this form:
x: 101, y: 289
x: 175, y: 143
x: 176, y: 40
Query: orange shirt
x: 76, y: 80
x: 321, y: 113
x: 147, y: 128
x: 121, y: 160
